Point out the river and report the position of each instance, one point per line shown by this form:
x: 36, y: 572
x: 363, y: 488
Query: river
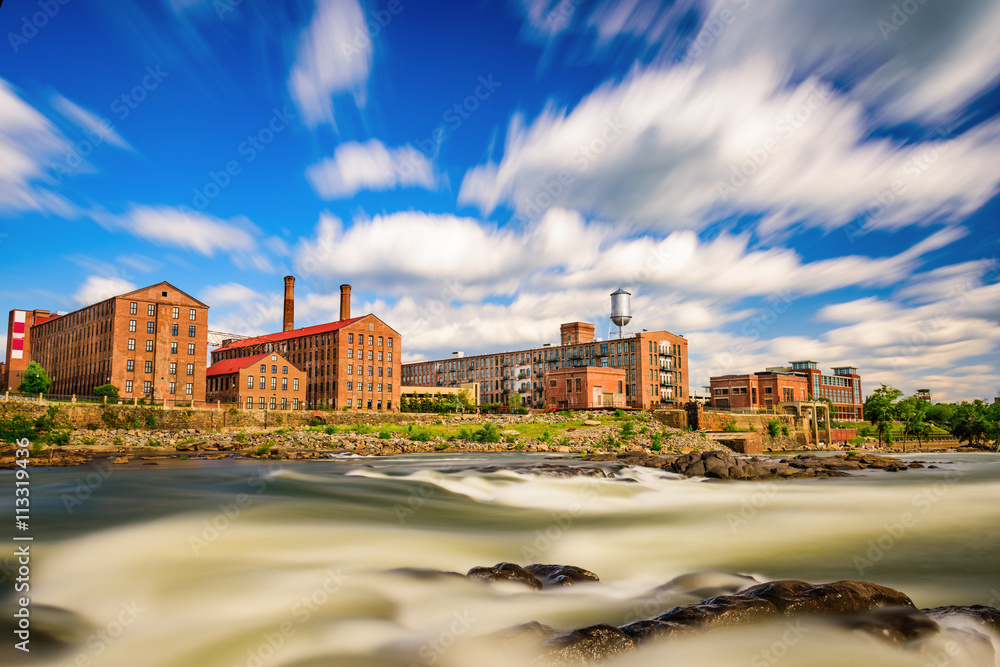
x: 290, y: 564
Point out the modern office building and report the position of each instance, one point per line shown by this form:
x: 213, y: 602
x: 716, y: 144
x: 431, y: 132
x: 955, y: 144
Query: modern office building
x: 352, y: 363
x: 774, y: 385
x: 151, y: 343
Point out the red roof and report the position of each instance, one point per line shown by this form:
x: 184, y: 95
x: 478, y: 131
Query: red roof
x: 294, y: 333
x: 234, y: 365
x: 42, y: 320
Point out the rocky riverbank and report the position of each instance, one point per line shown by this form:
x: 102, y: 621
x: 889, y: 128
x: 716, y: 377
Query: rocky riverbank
x: 863, y: 608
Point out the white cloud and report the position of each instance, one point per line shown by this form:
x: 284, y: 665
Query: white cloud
x: 29, y: 144
x: 670, y: 149
x: 369, y: 166
x: 334, y: 55
x: 192, y: 230
x: 99, y: 288
x: 101, y: 128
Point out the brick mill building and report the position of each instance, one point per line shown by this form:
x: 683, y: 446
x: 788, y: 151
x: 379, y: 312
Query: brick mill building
x: 654, y: 365
x: 586, y: 387
x: 801, y: 381
x: 265, y: 381
x: 151, y: 343
x: 352, y: 363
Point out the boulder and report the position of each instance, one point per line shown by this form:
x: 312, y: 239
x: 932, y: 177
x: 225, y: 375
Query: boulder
x: 590, y: 644
x: 987, y: 617
x: 505, y: 572
x: 643, y: 631
x: 798, y: 597
x: 561, y: 575
x: 721, y: 611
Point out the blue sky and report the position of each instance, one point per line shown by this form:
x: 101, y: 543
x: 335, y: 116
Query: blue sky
x: 775, y: 181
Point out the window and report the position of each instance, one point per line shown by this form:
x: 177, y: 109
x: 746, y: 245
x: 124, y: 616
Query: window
x: 295, y: 384
x: 147, y: 387
x: 191, y: 330
x: 380, y: 355
x: 380, y: 371
x: 128, y: 386
x: 173, y: 387
x: 133, y: 308
x: 274, y: 383
x: 263, y: 368
x: 371, y: 340
x: 380, y: 341
x: 150, y: 327
x: 388, y: 388
x: 284, y: 384
x: 380, y: 387
x: 263, y: 382
x: 284, y: 370
x: 176, y: 312
x: 273, y: 403
x: 249, y: 382
x: 190, y: 348
x: 173, y: 347
x: 130, y: 365
x: 350, y: 369
x: 151, y: 309
x: 189, y: 388
x: 350, y: 353
x: 349, y: 402
x: 371, y: 370
x: 350, y: 386
x: 149, y: 366
x: 174, y: 330
x: 260, y: 403
x: 249, y: 402
x: 295, y: 404
x: 369, y: 386
x: 390, y: 357
x: 192, y: 314
x: 131, y: 325
x: 389, y: 372
x: 149, y: 346
x: 767, y: 390
x: 284, y: 403
x: 390, y: 341
x: 274, y: 369
x: 190, y: 369
x: 131, y: 343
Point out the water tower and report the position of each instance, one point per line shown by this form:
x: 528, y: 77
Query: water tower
x: 621, y: 311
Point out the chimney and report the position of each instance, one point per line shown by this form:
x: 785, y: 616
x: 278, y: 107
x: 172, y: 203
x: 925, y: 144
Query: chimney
x: 345, y: 302
x: 289, y: 320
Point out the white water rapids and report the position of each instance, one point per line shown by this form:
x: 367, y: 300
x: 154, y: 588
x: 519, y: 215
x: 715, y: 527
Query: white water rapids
x: 290, y: 564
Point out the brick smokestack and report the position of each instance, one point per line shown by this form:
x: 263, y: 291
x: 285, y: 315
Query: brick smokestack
x: 345, y: 302
x: 289, y: 319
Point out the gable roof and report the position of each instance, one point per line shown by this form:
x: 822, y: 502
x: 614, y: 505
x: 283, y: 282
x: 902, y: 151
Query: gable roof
x: 228, y: 366
x: 159, y: 284
x: 293, y: 333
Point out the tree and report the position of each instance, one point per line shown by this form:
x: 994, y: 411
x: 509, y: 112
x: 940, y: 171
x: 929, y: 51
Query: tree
x: 109, y: 390
x: 911, y: 412
x: 880, y: 410
x: 514, y: 401
x: 35, y: 380
x: 971, y: 422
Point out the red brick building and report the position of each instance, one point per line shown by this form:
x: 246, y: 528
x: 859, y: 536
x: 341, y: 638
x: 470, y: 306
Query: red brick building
x: 803, y: 379
x: 261, y: 382
x: 655, y: 364
x: 352, y: 363
x: 19, y: 325
x: 151, y: 343
x: 585, y: 387
x: 758, y: 390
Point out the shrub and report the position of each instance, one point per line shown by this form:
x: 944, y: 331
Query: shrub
x: 784, y: 430
x: 265, y: 448
x: 773, y: 427
x: 277, y: 420
x: 644, y: 430
x: 90, y: 442
x: 442, y: 446
x: 564, y: 442
x: 315, y: 421
x: 233, y: 411
x: 59, y: 438
x: 16, y: 428
x: 362, y: 429
x: 619, y: 414
x: 487, y: 433
x: 118, y: 442
x: 385, y: 434
x: 656, y: 442
x: 852, y: 453
x: 109, y: 390
x: 151, y: 418
x: 546, y: 435
x: 420, y: 436
x: 628, y: 431
x: 330, y: 430
x: 241, y: 437
x: 110, y: 419
x: 152, y: 442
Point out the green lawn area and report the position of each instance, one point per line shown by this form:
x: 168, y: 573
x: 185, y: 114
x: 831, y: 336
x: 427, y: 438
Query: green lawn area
x: 528, y: 429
